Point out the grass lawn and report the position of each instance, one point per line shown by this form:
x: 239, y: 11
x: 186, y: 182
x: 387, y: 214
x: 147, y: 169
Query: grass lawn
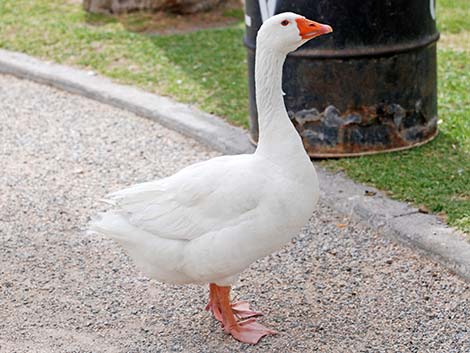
x: 208, y: 68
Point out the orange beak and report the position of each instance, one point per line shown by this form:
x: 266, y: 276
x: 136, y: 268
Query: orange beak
x: 310, y: 29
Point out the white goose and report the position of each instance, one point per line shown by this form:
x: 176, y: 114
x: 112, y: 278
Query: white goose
x: 211, y: 220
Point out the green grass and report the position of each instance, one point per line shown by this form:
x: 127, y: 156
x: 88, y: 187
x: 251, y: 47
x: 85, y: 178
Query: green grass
x: 453, y: 15
x: 208, y: 68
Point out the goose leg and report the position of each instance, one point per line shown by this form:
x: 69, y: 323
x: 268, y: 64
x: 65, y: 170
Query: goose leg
x: 214, y: 305
x: 247, y: 331
x: 241, y: 309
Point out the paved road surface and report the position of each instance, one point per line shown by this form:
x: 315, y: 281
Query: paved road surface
x: 338, y: 287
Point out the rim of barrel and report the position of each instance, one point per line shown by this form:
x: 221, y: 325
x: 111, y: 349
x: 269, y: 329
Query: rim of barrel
x: 365, y: 153
x: 359, y: 52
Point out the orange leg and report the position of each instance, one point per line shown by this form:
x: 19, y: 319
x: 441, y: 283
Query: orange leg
x: 214, y: 304
x: 248, y: 331
x: 241, y: 309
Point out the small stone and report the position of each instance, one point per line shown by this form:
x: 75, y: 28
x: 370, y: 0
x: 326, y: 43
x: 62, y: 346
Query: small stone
x: 423, y: 209
x: 370, y: 192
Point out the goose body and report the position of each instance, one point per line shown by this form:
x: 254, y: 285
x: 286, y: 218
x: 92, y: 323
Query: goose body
x: 211, y: 220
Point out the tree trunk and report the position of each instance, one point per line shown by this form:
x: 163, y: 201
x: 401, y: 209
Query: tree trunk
x: 123, y: 6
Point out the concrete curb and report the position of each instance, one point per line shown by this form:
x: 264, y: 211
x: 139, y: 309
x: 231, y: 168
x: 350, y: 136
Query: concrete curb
x: 201, y: 126
x: 396, y: 219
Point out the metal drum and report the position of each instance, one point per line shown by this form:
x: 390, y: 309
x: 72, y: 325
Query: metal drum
x: 368, y: 87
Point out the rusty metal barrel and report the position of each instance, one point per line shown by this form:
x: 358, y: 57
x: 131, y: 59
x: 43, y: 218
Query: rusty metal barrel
x: 368, y: 87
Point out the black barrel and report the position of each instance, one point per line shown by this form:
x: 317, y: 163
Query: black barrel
x: 368, y: 87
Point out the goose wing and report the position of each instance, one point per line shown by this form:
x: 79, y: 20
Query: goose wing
x: 202, y: 198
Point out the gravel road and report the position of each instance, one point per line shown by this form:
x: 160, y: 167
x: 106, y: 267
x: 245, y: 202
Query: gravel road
x: 338, y: 287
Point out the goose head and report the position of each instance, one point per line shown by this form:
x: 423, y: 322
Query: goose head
x: 287, y: 31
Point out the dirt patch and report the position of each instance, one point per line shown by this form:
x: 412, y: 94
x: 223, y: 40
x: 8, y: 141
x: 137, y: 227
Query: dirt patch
x: 163, y: 23
x: 455, y: 41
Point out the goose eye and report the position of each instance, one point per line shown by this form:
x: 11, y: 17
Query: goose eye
x: 285, y: 22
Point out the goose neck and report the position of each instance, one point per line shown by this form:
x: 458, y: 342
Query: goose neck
x: 268, y: 83
x: 278, y: 139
